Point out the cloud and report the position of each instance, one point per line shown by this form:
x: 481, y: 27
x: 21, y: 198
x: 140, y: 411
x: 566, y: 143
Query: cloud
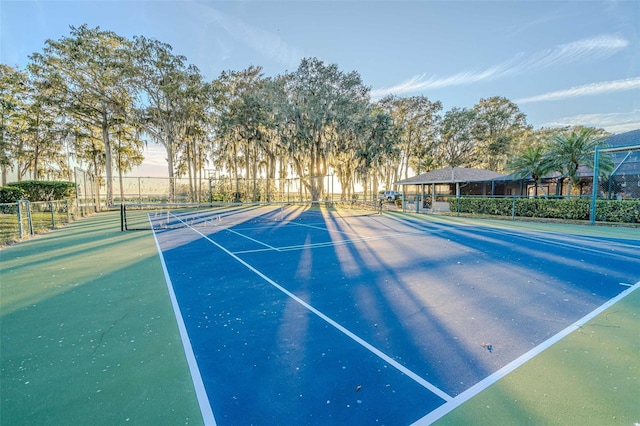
x: 268, y: 44
x: 421, y: 82
x: 592, y: 48
x: 585, y: 90
x: 611, y: 122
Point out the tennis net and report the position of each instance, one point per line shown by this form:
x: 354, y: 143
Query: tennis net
x: 170, y: 216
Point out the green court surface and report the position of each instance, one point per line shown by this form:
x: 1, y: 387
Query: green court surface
x: 88, y: 333
x: 88, y: 336
x: 592, y: 377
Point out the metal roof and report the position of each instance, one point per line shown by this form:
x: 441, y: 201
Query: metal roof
x: 451, y: 175
x: 622, y: 139
x: 622, y: 142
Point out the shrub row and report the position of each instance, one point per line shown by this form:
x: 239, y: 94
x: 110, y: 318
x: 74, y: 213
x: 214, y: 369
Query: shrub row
x: 10, y: 194
x: 36, y: 190
x: 626, y: 211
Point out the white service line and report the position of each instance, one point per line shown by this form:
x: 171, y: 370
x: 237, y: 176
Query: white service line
x: 324, y: 228
x: 251, y: 239
x: 336, y: 325
x: 488, y: 381
x: 198, y: 384
x: 352, y: 241
x: 331, y: 243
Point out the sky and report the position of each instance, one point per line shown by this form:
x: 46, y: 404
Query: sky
x: 563, y: 63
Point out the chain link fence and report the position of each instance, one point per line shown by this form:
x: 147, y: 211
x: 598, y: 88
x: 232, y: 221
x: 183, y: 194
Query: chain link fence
x: 621, y: 185
x: 232, y: 190
x: 24, y: 218
x: 86, y: 192
x: 624, y: 181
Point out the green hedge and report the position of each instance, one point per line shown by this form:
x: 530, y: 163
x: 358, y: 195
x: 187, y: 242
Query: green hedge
x: 10, y: 194
x: 37, y: 190
x: 626, y: 211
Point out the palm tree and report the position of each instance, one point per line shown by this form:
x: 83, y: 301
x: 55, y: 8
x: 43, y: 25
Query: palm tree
x: 532, y: 162
x: 568, y: 151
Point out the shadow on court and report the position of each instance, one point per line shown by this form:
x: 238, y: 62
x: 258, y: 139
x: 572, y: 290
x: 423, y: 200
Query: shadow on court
x: 374, y: 319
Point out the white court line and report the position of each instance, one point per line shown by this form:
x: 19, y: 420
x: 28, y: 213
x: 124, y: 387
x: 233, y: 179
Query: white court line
x: 332, y: 243
x: 490, y: 380
x: 306, y: 225
x: 524, y: 233
x: 316, y: 245
x: 252, y: 239
x: 336, y: 325
x: 335, y: 243
x: 541, y: 237
x: 538, y: 237
x: 352, y: 241
x: 201, y: 393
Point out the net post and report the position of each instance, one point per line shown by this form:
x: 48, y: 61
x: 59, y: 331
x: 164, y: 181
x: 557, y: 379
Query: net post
x: 122, y: 224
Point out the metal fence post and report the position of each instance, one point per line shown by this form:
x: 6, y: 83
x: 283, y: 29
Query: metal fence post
x: 20, y: 230
x: 594, y: 191
x: 28, y: 203
x: 53, y: 216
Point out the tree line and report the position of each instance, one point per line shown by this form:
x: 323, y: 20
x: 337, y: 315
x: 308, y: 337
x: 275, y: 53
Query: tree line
x: 96, y: 98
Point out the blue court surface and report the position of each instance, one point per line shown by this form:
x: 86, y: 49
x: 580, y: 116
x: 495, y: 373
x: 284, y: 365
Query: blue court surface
x: 373, y: 319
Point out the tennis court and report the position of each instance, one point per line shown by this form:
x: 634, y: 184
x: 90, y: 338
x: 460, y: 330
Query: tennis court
x: 292, y: 315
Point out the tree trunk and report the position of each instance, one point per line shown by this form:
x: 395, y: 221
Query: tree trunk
x: 247, y: 169
x: 172, y: 183
x: 190, y: 162
x: 374, y: 184
x: 235, y: 167
x: 255, y: 174
x: 36, y: 157
x: 271, y: 174
x: 96, y: 201
x: 107, y: 158
x: 197, y: 173
x: 120, y: 178
x: 4, y: 156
